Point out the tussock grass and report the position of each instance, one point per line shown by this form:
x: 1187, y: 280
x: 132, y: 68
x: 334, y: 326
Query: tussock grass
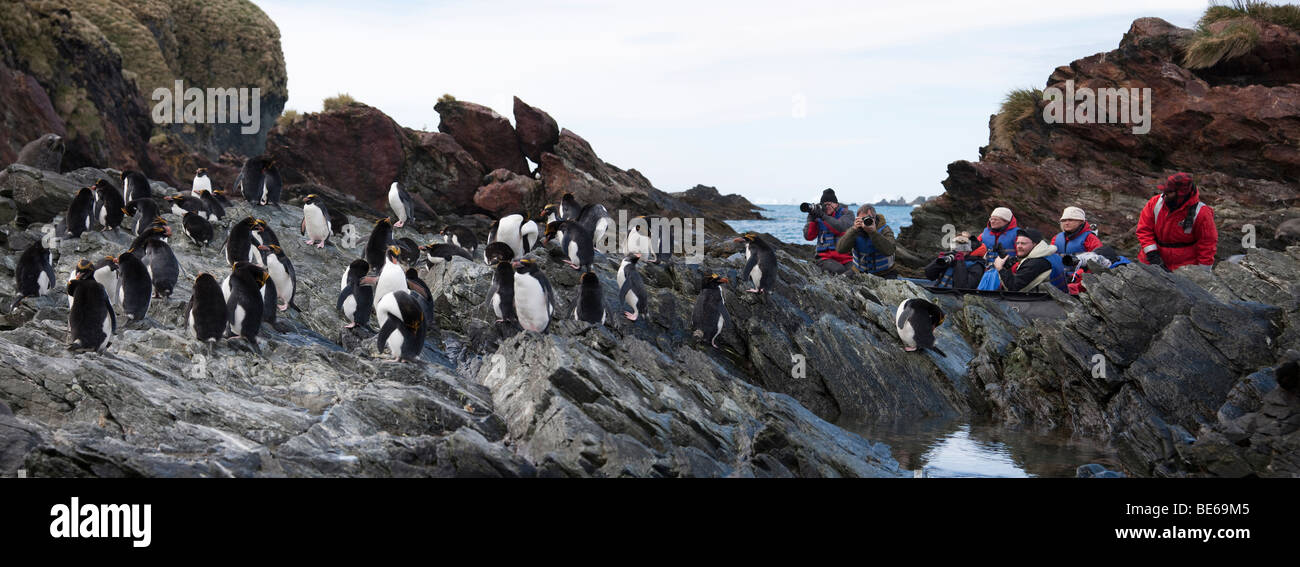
x: 446, y: 98
x: 1018, y: 106
x: 1239, y: 36
x: 288, y: 118
x: 338, y: 102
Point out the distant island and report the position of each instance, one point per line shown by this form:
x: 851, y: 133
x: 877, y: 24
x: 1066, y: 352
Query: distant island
x: 900, y: 202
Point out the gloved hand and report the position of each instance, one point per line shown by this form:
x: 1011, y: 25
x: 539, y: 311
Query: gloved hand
x: 1153, y: 258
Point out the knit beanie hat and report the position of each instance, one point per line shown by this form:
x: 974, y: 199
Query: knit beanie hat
x: 1074, y: 213
x: 828, y: 196
x: 1002, y: 213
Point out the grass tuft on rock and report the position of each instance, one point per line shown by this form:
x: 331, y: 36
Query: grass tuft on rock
x: 338, y: 102
x: 1239, y: 34
x: 288, y: 118
x: 1018, y: 106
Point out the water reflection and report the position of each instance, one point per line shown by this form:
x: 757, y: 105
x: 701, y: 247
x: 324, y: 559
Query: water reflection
x: 957, y: 449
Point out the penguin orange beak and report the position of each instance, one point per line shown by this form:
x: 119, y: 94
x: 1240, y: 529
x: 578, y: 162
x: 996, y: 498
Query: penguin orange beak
x: 724, y: 280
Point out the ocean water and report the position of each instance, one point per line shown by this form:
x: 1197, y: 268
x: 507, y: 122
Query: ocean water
x: 787, y: 221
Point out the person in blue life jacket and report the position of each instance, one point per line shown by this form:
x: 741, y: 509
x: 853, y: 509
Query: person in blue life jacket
x: 828, y: 220
x: 999, y: 237
x: 870, y: 243
x: 958, y: 268
x: 1035, y: 266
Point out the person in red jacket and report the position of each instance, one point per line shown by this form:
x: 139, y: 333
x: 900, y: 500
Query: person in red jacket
x: 827, y: 221
x: 1175, y: 228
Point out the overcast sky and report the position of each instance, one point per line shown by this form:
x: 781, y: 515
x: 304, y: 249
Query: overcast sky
x: 772, y: 100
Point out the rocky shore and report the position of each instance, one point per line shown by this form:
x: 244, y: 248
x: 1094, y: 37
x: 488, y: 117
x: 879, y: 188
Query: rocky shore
x: 1191, y: 373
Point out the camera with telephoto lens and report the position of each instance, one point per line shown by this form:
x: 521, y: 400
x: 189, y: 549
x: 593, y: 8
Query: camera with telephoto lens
x: 805, y: 207
x: 868, y: 221
x: 945, y: 259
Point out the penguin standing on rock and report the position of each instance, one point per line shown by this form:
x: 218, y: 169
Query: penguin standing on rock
x: 206, y: 313
x: 631, y: 289
x: 915, y: 321
x: 164, y: 270
x: 534, y: 298
x: 252, y: 180
x: 282, y: 273
x: 405, y: 327
x: 710, y: 316
x: 595, y: 218
x: 197, y: 228
x: 578, y: 250
x: 381, y: 238
x: 356, y: 300
x: 589, y: 306
x: 136, y: 288
x: 201, y: 182
x: 400, y: 201
x: 315, y: 221
x: 501, y: 296
x: 109, y: 205
x: 80, y: 212
x: 34, y: 274
x: 760, y: 263
x: 91, y: 320
x: 135, y: 186
x: 245, y: 306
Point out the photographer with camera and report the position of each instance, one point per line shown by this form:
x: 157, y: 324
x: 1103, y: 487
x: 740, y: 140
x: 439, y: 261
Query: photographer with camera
x: 870, y: 243
x: 957, y: 268
x: 827, y: 221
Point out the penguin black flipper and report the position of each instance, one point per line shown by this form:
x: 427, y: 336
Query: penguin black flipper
x: 342, y: 296
x: 749, y: 266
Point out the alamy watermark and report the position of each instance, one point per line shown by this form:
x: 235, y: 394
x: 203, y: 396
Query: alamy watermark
x: 209, y: 106
x: 1086, y: 105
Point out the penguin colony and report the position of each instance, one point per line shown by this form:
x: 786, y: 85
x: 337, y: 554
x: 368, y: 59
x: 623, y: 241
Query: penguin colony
x: 262, y: 280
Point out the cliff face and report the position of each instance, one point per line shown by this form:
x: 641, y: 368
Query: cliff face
x: 86, y: 70
x: 1234, y: 126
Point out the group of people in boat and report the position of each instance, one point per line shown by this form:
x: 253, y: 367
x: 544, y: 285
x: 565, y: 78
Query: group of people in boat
x: 1174, y: 229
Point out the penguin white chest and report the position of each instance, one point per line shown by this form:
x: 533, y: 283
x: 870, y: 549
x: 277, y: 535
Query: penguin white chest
x: 573, y: 252
x: 904, y: 326
x: 237, y: 322
x: 756, y: 275
x: 43, y: 282
x: 531, y: 304
x: 395, y: 201
x: 318, y: 227
x: 350, y: 307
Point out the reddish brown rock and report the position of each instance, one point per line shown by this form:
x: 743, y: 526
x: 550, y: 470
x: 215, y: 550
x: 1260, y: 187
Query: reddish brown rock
x: 1237, y: 140
x: 443, y: 173
x: 25, y: 113
x: 356, y: 149
x: 360, y: 151
x: 485, y: 134
x: 505, y: 192
x: 537, y: 131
